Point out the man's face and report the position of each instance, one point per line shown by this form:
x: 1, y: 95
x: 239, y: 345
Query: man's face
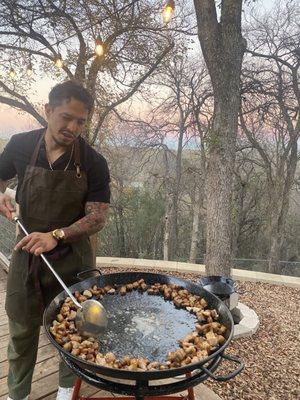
x: 66, y: 121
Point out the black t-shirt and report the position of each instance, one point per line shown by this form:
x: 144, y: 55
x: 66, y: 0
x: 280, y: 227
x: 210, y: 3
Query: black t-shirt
x: 17, y: 155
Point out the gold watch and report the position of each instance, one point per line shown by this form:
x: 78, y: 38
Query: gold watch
x: 58, y: 234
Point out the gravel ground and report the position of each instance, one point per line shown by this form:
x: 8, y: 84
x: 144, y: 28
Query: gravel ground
x: 272, y: 355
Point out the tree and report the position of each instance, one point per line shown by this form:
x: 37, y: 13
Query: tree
x: 177, y: 90
x: 202, y: 120
x: 37, y: 33
x: 249, y: 203
x: 185, y: 83
x: 271, y: 119
x: 223, y: 48
x: 44, y: 32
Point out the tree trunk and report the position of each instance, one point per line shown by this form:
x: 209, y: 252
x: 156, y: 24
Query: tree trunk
x: 275, y: 249
x: 176, y: 189
x: 157, y: 242
x: 219, y: 193
x: 223, y: 48
x: 237, y: 215
x: 166, y: 240
x: 168, y: 228
x: 121, y: 238
x: 195, y: 228
x: 170, y: 223
x: 279, y: 206
x: 94, y: 243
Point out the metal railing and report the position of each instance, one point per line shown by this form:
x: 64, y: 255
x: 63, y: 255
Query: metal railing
x: 288, y: 268
x: 8, y: 235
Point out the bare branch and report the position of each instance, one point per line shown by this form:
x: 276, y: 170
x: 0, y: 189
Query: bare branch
x: 131, y: 92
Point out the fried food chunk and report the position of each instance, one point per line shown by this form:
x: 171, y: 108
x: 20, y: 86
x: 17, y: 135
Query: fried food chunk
x: 209, y: 333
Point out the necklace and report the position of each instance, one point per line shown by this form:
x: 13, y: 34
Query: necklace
x: 66, y: 167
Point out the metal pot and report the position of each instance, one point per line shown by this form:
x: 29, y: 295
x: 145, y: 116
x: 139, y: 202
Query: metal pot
x: 223, y: 287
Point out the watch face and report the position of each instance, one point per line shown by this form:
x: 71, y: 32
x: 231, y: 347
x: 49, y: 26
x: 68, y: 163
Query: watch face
x: 58, y: 234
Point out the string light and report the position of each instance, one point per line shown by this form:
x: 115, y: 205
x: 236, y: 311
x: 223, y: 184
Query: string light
x: 59, y: 62
x: 29, y: 70
x: 167, y: 15
x: 168, y: 11
x: 99, y: 47
x: 12, y: 73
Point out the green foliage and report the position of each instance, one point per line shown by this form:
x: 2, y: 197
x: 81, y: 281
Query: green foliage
x: 136, y: 223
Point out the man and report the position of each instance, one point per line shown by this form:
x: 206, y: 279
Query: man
x: 63, y: 196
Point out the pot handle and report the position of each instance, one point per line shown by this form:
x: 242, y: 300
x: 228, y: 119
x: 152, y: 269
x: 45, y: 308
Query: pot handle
x: 88, y: 273
x: 237, y: 289
x: 229, y: 376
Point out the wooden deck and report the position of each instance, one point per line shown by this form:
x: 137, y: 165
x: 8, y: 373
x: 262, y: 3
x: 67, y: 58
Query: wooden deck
x: 45, y: 377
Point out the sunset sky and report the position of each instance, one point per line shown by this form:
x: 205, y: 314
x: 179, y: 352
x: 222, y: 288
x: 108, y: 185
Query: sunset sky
x: 13, y: 121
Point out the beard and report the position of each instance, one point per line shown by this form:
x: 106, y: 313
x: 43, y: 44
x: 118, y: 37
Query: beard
x: 64, y: 141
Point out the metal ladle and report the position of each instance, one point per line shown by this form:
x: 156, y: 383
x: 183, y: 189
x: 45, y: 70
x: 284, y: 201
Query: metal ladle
x: 91, y: 318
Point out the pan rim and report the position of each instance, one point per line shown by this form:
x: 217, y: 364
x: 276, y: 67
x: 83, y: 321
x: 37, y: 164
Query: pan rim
x: 148, y: 375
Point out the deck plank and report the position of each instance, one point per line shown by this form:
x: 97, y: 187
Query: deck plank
x: 42, y: 370
x: 4, y: 342
x: 45, y: 376
x: 43, y: 354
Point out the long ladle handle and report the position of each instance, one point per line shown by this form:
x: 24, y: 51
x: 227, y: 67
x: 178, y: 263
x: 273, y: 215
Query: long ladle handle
x: 77, y: 304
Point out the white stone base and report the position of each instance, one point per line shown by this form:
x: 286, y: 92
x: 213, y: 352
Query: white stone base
x: 249, y: 321
x: 237, y: 274
x: 204, y: 393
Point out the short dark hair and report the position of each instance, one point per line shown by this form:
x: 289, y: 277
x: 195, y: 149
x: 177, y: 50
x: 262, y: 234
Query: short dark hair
x: 70, y: 89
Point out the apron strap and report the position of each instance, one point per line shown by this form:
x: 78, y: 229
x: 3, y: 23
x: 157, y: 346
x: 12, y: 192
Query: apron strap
x: 36, y: 151
x: 76, y: 154
x: 77, y: 158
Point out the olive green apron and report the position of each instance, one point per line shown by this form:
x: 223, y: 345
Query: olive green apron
x: 48, y: 200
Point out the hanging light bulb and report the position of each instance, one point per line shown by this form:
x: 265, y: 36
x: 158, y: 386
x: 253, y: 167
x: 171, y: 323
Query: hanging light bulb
x: 12, y: 73
x: 29, y: 70
x: 59, y: 62
x: 168, y: 11
x: 99, y: 47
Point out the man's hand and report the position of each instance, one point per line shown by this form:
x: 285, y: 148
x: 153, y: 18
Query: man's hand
x: 6, y: 207
x: 37, y: 243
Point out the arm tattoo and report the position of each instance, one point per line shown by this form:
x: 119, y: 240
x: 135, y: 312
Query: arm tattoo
x: 92, y: 222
